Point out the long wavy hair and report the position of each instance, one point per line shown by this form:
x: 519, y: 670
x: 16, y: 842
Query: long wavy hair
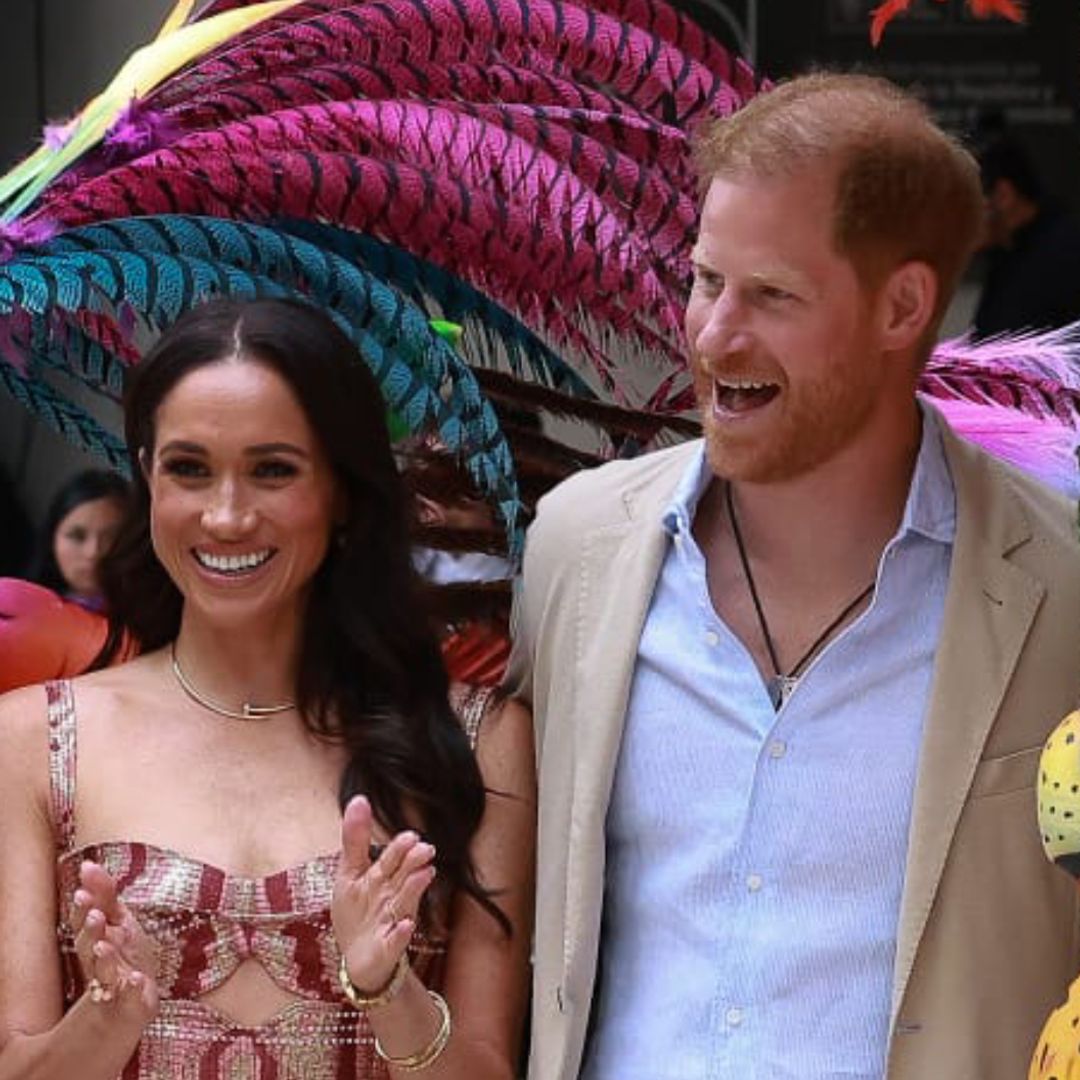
x: 370, y: 672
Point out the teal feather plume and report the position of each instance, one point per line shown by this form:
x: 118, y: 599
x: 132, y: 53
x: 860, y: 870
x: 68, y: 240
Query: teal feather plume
x: 391, y: 324
x: 436, y: 289
x: 64, y: 416
x: 159, y: 286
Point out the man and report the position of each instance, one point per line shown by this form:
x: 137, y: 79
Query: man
x: 1033, y: 249
x: 791, y: 682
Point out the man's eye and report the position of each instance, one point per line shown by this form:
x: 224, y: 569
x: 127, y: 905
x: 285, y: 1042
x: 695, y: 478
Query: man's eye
x: 771, y: 292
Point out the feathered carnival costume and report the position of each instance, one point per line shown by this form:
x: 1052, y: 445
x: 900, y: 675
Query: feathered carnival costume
x: 493, y: 198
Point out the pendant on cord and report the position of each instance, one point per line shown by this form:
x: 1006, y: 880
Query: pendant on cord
x: 780, y: 688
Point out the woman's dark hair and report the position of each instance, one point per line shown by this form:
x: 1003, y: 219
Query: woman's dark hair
x: 86, y: 486
x: 370, y: 671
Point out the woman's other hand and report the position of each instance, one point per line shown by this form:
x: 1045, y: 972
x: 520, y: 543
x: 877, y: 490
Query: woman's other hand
x: 375, y: 904
x: 118, y: 958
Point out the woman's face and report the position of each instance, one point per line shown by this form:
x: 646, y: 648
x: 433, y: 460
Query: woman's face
x: 242, y: 497
x: 81, y: 538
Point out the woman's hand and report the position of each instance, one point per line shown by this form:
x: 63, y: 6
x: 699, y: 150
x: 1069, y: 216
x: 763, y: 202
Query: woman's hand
x: 118, y: 958
x: 375, y: 904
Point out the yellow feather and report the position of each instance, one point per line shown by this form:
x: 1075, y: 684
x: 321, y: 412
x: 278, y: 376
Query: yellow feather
x: 145, y: 69
x: 177, y: 17
x: 1059, y: 789
x: 1057, y: 1053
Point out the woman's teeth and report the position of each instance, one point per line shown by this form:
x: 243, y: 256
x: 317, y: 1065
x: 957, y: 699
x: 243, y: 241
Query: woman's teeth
x: 232, y: 564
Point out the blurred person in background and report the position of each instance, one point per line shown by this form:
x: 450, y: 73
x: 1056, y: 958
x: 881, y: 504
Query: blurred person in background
x: 1032, y: 247
x: 79, y: 528
x: 53, y: 625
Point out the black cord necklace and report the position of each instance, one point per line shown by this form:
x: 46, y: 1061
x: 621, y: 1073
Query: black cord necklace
x: 780, y: 685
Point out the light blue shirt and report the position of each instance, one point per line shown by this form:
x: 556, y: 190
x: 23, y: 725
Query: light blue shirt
x: 755, y: 859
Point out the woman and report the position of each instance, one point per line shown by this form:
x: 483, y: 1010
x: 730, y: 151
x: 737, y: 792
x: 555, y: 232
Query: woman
x: 79, y: 527
x: 218, y: 914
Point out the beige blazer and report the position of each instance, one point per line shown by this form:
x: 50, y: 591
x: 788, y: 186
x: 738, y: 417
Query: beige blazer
x: 988, y: 934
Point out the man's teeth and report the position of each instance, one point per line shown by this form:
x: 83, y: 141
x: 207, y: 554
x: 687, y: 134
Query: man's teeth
x: 743, y: 384
x: 233, y: 563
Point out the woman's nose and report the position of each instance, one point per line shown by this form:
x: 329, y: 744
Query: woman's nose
x: 227, y: 512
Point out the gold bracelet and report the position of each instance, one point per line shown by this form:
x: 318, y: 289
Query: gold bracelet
x: 423, y: 1058
x: 381, y: 996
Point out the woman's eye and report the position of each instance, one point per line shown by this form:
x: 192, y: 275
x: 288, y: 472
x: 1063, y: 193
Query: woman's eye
x: 76, y: 536
x: 274, y: 470
x: 185, y: 468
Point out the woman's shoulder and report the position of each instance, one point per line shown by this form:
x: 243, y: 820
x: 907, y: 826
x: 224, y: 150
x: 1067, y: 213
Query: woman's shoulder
x: 502, y: 739
x: 24, y: 712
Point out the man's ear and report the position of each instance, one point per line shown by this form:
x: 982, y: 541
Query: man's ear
x: 906, y: 304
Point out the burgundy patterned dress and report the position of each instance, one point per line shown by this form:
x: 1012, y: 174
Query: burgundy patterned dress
x: 206, y: 923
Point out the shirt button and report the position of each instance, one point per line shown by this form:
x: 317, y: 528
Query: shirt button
x: 712, y: 638
x: 754, y: 882
x: 777, y: 749
x: 734, y: 1017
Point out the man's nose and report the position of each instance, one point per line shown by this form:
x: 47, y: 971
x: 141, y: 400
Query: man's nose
x: 724, y: 330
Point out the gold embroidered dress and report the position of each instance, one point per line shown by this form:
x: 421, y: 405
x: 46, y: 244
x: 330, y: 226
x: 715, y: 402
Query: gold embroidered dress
x: 206, y: 923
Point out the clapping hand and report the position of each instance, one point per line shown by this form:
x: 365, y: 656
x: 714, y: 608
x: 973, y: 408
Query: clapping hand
x: 375, y: 903
x: 118, y: 958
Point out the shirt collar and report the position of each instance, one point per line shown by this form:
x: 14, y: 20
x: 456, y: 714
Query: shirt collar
x: 930, y: 509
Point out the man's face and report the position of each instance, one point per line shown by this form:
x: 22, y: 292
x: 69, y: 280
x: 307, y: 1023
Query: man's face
x: 787, y: 369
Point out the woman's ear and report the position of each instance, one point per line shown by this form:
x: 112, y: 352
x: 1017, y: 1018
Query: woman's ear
x: 144, y: 463
x: 340, y: 508
x: 908, y: 299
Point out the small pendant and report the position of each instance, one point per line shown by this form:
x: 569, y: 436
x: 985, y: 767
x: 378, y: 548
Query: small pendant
x: 780, y: 688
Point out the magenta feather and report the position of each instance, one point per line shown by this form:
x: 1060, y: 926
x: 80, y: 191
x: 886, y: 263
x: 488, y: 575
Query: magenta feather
x: 1043, y: 447
x: 544, y: 35
x: 530, y: 264
x: 518, y: 152
x: 1038, y: 374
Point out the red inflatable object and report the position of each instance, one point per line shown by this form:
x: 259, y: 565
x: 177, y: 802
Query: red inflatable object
x: 43, y: 636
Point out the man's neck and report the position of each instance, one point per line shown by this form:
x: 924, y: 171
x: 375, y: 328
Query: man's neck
x: 826, y: 528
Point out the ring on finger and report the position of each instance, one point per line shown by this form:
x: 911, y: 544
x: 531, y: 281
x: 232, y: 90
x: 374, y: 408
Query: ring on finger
x: 395, y: 918
x: 98, y: 991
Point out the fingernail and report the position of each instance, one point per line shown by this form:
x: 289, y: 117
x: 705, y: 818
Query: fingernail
x: 99, y: 949
x: 81, y: 899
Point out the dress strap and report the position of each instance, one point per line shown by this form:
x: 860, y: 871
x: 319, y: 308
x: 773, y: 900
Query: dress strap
x: 62, y: 762
x: 471, y: 704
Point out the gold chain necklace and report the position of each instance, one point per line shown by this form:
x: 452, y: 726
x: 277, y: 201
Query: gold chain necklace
x: 246, y: 712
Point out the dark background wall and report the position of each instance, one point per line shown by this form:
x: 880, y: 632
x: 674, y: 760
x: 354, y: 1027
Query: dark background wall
x: 54, y: 56
x: 963, y: 66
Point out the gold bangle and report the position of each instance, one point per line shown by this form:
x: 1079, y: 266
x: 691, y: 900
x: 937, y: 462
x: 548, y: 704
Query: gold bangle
x: 423, y: 1058
x: 385, y: 993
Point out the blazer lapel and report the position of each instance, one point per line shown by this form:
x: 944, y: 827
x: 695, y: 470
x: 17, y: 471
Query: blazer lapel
x: 618, y: 573
x: 988, y: 613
